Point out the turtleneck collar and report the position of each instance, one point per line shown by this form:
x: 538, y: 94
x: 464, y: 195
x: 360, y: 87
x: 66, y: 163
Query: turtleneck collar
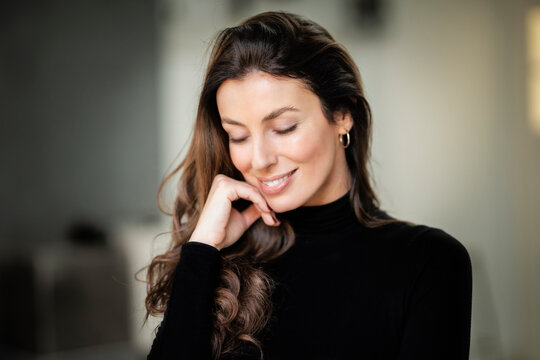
x: 334, y: 216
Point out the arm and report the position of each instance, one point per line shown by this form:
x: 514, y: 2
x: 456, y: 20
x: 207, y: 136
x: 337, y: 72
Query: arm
x: 186, y: 328
x: 438, y: 319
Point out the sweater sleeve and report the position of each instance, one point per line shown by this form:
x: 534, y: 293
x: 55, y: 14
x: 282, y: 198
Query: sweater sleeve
x: 438, y: 318
x: 186, y: 329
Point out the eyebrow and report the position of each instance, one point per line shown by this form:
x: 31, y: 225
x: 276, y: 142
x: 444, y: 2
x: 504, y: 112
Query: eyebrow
x: 272, y: 115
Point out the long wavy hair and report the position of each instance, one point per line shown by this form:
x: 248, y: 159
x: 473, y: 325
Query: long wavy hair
x: 283, y: 45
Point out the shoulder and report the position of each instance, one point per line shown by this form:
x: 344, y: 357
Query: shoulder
x: 440, y: 244
x: 431, y: 264
x: 421, y: 244
x: 437, y: 246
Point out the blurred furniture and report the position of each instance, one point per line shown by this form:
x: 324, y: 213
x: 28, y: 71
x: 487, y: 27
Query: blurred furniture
x: 139, y: 242
x: 58, y: 298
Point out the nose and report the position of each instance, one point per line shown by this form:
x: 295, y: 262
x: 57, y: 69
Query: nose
x: 263, y: 155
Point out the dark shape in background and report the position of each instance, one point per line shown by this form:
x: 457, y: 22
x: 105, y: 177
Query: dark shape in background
x: 79, y: 132
x: 78, y: 140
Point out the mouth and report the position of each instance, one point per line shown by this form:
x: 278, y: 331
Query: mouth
x: 276, y: 184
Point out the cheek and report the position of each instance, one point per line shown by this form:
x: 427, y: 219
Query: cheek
x: 241, y: 159
x: 312, y: 151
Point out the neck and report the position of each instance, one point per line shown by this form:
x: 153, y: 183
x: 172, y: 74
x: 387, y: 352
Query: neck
x: 337, y: 183
x: 329, y: 217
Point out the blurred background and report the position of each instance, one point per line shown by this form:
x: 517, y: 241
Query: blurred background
x: 97, y: 101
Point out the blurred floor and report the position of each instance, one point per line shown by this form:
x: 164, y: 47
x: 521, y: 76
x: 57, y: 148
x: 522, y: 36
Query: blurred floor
x: 115, y: 351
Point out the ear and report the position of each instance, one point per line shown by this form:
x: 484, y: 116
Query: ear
x: 343, y: 122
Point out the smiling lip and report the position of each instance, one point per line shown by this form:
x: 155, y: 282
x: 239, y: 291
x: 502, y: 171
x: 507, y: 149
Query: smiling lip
x: 276, y: 184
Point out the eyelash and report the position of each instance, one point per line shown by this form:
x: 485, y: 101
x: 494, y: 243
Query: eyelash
x: 280, y: 132
x: 236, y: 141
x: 286, y: 131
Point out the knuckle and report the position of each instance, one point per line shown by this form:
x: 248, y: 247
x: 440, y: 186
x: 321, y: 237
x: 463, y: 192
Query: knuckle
x: 224, y: 185
x: 219, y: 180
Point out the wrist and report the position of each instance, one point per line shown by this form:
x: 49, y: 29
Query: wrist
x: 205, y: 242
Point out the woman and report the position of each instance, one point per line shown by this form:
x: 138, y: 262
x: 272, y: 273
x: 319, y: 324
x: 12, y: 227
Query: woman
x: 279, y: 248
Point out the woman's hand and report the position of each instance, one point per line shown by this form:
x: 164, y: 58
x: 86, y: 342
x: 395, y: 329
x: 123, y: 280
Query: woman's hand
x: 221, y: 225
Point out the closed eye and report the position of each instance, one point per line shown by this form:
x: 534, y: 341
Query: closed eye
x: 286, y: 131
x: 237, y: 141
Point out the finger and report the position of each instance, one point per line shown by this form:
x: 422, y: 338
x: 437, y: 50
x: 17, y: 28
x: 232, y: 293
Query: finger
x: 252, y: 193
x: 235, y: 189
x: 250, y: 215
x: 245, y: 191
x: 268, y: 218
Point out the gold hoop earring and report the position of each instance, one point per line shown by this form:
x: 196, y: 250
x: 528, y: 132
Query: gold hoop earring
x: 347, y: 140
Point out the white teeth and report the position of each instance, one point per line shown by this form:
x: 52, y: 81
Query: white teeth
x: 275, y: 182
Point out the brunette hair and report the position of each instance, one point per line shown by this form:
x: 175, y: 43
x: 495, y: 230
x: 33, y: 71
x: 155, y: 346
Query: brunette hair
x: 283, y: 45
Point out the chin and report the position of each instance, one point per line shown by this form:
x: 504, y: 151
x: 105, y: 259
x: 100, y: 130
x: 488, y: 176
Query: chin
x: 283, y: 203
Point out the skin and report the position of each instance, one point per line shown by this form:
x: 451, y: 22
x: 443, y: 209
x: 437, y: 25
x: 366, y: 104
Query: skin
x: 276, y: 127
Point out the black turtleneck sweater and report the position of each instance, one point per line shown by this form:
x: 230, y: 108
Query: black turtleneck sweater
x: 399, y: 291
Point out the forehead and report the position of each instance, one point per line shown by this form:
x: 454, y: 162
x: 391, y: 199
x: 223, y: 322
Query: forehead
x: 258, y: 93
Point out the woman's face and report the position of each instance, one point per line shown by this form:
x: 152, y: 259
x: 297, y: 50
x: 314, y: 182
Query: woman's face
x: 281, y: 142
